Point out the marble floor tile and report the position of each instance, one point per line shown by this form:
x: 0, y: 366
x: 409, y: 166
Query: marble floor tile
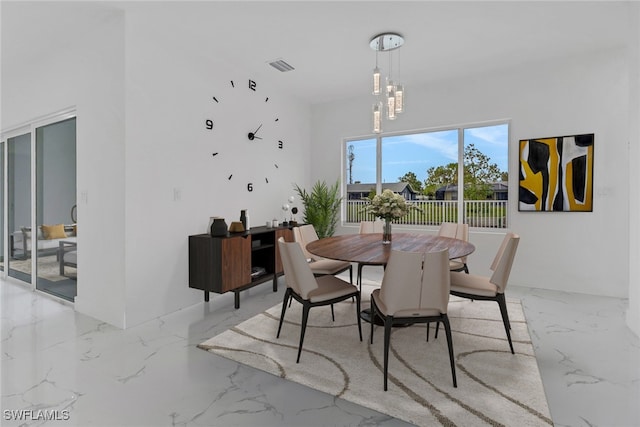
x: 153, y: 375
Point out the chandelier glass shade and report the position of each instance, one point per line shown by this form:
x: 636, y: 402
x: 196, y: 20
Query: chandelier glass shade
x: 393, y: 91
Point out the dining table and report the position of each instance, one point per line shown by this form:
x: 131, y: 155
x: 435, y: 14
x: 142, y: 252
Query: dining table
x: 368, y: 249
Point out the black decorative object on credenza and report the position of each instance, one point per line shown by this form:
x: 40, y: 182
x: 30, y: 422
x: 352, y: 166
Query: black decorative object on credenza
x: 244, y: 219
x: 293, y: 222
x: 218, y: 227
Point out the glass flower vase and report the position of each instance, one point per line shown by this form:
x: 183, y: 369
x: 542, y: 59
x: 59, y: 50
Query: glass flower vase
x: 386, y: 232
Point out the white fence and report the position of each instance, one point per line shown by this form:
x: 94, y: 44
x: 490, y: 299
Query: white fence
x: 477, y: 213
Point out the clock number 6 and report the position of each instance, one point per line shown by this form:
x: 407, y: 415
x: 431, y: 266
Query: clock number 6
x: 209, y: 124
x: 250, y: 186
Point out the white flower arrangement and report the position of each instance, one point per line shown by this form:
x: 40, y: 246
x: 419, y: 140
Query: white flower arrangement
x: 389, y: 206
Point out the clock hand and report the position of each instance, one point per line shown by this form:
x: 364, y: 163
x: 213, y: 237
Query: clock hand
x: 252, y: 135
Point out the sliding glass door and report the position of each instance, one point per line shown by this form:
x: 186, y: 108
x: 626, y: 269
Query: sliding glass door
x: 19, y: 206
x: 56, y: 248
x: 38, y: 229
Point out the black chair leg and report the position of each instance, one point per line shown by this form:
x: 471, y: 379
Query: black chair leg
x: 303, y: 328
x: 373, y: 316
x: 358, y: 315
x: 387, y: 339
x: 505, y: 318
x: 437, y: 329
x: 333, y: 316
x: 447, y: 329
x: 287, y: 295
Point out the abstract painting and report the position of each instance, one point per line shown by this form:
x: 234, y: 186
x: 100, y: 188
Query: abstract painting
x: 556, y: 174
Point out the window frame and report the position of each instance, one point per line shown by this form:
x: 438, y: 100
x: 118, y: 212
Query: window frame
x: 460, y: 128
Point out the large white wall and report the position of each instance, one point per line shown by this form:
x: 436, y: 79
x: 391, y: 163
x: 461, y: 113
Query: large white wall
x: 574, y: 252
x: 633, y: 315
x: 174, y: 184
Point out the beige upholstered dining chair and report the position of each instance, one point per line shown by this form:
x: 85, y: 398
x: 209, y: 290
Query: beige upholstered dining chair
x: 415, y: 289
x: 490, y: 288
x: 311, y: 291
x: 456, y: 231
x: 367, y: 227
x: 306, y: 234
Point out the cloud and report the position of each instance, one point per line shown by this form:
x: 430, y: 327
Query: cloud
x: 443, y: 143
x: 495, y: 135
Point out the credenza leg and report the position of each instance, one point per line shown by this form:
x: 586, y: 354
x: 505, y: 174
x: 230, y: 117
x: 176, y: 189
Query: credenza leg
x: 275, y: 284
x: 236, y: 299
x: 206, y: 296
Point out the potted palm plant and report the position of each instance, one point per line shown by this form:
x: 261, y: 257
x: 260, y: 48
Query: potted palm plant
x: 321, y: 207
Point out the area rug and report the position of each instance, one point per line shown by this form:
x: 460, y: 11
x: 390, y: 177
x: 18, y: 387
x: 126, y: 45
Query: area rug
x: 495, y: 387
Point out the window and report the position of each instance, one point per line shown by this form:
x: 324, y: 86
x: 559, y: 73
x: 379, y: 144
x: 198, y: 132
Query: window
x: 432, y: 169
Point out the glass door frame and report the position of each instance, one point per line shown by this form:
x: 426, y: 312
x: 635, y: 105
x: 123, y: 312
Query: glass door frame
x: 24, y: 128
x: 6, y: 136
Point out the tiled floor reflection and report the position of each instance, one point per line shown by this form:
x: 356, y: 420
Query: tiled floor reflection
x: 153, y: 374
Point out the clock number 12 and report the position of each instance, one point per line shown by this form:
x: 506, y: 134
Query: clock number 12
x: 252, y: 85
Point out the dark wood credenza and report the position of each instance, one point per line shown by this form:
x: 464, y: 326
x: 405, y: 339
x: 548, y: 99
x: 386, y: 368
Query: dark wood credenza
x: 223, y: 264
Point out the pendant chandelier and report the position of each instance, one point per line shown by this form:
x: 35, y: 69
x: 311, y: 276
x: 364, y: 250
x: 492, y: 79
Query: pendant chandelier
x: 393, y: 102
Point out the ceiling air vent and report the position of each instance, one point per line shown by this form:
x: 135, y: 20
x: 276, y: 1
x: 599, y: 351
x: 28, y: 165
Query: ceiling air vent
x: 280, y: 65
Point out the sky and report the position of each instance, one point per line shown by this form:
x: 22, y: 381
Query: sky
x: 418, y: 152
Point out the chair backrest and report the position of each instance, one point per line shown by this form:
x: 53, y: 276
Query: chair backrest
x: 368, y: 227
x: 304, y: 235
x: 455, y: 231
x: 448, y: 229
x: 436, y: 281
x: 503, y: 261
x: 298, y: 274
x: 400, y: 288
x: 407, y: 285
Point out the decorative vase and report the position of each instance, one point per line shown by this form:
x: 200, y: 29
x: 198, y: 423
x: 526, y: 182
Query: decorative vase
x: 386, y: 232
x: 218, y: 227
x: 243, y: 218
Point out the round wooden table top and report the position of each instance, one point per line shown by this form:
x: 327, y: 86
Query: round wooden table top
x: 368, y: 248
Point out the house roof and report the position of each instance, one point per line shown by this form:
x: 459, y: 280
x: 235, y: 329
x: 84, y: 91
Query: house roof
x: 396, y: 187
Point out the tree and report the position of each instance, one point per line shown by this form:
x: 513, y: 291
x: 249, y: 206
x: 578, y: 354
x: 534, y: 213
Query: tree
x: 440, y: 176
x: 479, y: 174
x: 413, y: 181
x: 352, y: 157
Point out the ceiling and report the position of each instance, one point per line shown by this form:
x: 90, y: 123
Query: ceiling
x: 328, y: 41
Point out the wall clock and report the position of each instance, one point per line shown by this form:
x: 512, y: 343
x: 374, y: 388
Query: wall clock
x: 244, y: 126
